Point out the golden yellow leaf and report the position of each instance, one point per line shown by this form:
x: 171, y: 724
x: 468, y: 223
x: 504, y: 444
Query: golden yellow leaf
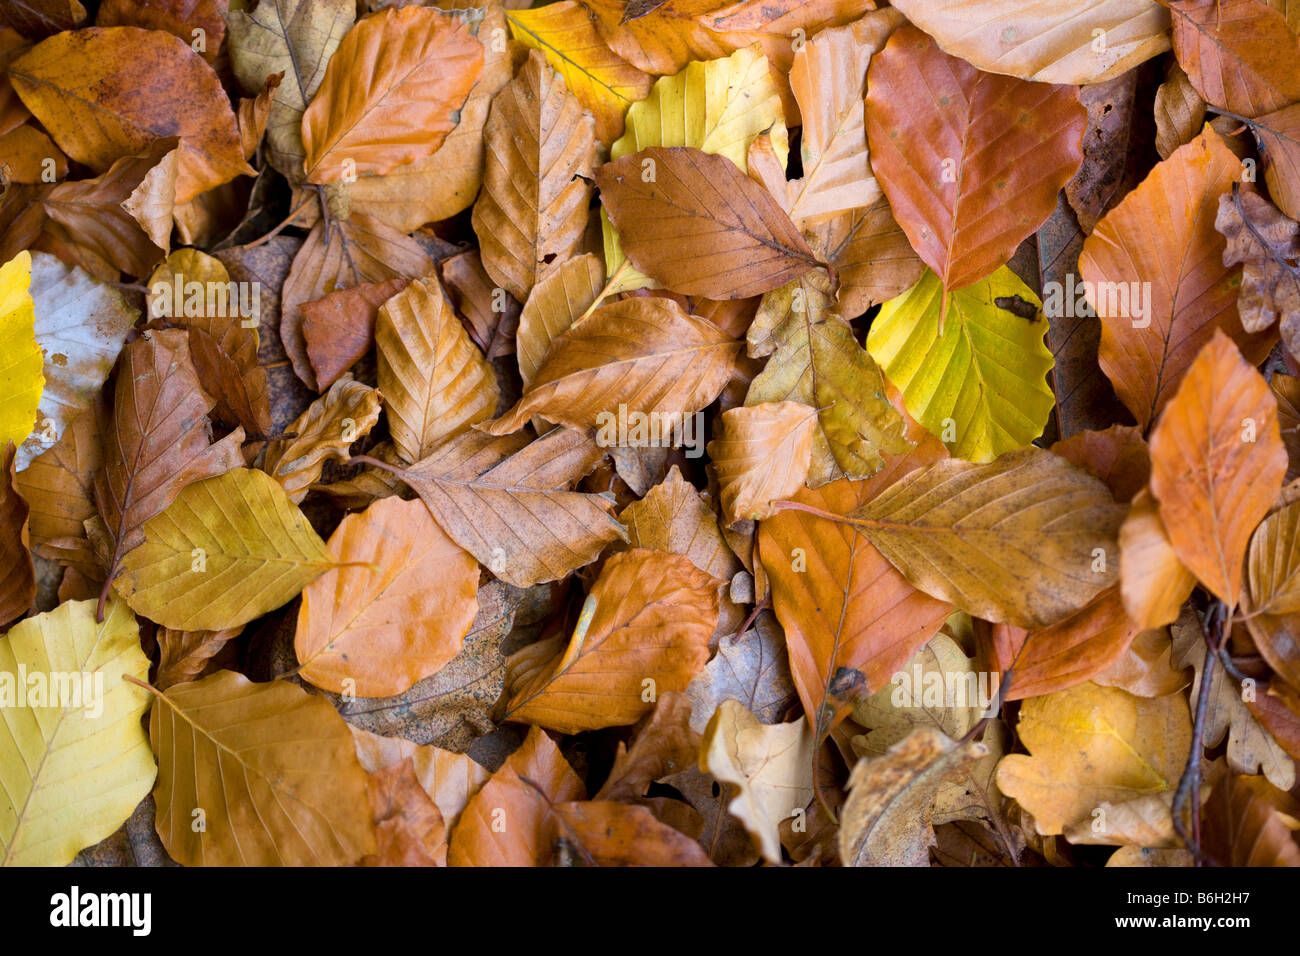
x: 226, y: 551
x: 1089, y: 744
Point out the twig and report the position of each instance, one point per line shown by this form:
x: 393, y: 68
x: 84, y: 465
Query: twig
x: 1189, y: 786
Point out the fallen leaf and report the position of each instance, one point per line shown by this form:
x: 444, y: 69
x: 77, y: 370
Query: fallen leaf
x: 828, y: 77
x: 222, y: 322
x: 296, y: 38
x: 558, y: 300
x: 644, y: 630
x: 851, y: 620
x: 397, y: 613
x: 751, y: 668
x: 449, y: 779
x: 962, y: 533
x: 941, y: 133
x: 1265, y: 243
x: 105, y: 93
x: 1151, y: 333
x: 64, y: 703
x: 1089, y: 744
x: 694, y: 219
x: 157, y: 441
x: 762, y: 456
x: 1154, y: 583
x: 325, y: 431
x: 357, y: 251
x: 887, y: 820
x: 1234, y: 51
x: 603, y: 81
x: 506, y: 503
x: 434, y: 381
x: 339, y: 328
x: 770, y: 765
x: 409, y: 828
x: 57, y: 487
x: 18, y: 577
x: 1249, y: 822
x: 1250, y: 748
x: 24, y: 380
x: 976, y: 378
x: 818, y: 362
x: 507, y: 823
x: 645, y: 354
x: 1041, y: 40
x: 1180, y: 111
x: 408, y: 69
x: 270, y: 770
x: 541, y: 150
x: 718, y: 106
x: 604, y: 833
x: 225, y: 551
x: 1217, y: 463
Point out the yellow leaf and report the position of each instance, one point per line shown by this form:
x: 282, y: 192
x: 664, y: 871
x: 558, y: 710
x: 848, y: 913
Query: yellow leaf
x: 21, y: 375
x: 977, y: 379
x: 1089, y: 744
x: 71, y: 769
x: 718, y: 106
x: 227, y: 550
x: 602, y: 80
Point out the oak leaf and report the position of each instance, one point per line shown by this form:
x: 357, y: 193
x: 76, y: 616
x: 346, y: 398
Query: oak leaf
x: 770, y: 765
x: 1250, y: 748
x: 1089, y: 744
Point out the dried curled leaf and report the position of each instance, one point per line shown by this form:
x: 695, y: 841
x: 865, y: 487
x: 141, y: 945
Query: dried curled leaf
x: 644, y: 630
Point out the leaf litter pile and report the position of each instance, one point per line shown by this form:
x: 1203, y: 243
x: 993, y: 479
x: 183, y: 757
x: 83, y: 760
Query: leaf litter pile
x: 807, y: 432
